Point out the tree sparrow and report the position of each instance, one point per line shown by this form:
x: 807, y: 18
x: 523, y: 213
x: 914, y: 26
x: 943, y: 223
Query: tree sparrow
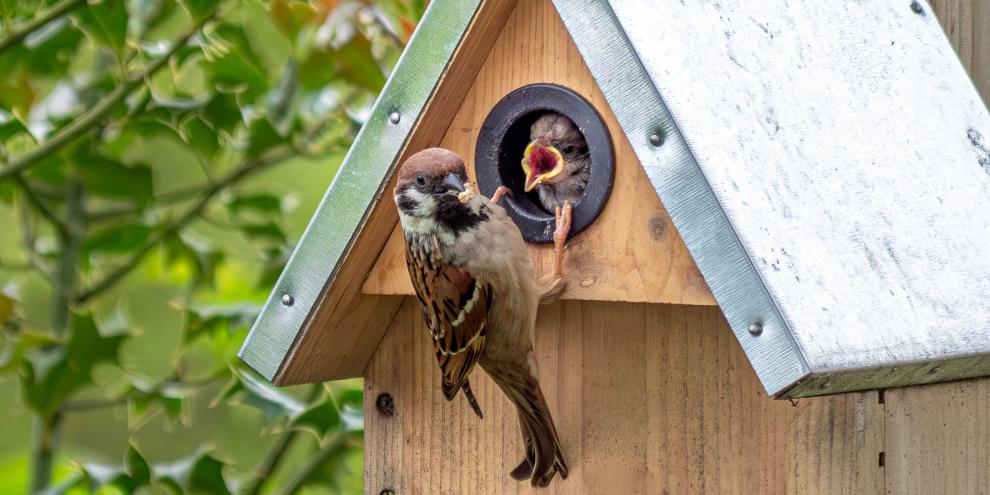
x: 476, y: 288
x: 557, y: 164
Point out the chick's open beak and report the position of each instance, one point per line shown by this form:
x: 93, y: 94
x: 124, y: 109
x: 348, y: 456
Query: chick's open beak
x: 541, y: 163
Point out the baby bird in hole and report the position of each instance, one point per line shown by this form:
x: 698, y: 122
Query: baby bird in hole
x: 557, y: 164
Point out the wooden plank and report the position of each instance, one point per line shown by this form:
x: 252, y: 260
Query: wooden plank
x: 632, y: 252
x: 669, y: 404
x: 344, y: 330
x: 967, y: 24
x: 938, y: 439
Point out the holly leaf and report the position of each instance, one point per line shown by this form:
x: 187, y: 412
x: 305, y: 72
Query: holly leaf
x: 357, y: 65
x: 249, y: 389
x: 105, y: 22
x: 200, y: 8
x: 54, y: 374
x: 111, y: 179
x: 208, y: 320
x: 10, y: 126
x: 262, y: 136
x: 118, y: 239
x: 201, y: 136
x: 199, y: 472
x: 136, y: 466
x: 259, y: 203
x: 319, y: 418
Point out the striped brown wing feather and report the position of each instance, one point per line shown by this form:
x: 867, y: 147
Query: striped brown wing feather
x: 455, y: 307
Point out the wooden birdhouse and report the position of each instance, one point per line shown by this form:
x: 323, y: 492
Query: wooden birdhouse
x: 788, y: 199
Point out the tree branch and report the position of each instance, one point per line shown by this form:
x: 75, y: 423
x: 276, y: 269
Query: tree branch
x: 102, y: 108
x: 329, y: 448
x: 18, y: 34
x: 277, y: 454
x: 41, y: 205
x: 249, y: 168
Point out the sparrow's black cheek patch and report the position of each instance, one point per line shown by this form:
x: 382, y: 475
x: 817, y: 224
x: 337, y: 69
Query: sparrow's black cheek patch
x: 457, y: 217
x: 406, y: 204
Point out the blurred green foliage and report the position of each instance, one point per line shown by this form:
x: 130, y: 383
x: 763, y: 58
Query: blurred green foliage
x: 158, y: 160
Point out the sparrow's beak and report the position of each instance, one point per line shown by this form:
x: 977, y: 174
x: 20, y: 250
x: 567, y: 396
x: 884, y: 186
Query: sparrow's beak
x: 541, y: 163
x: 453, y: 182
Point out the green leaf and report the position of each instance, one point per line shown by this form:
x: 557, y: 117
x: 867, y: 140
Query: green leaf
x: 196, y: 473
x: 260, y: 203
x: 222, y: 112
x: 234, y: 71
x: 254, y: 391
x: 136, y: 466
x: 318, y: 418
x: 262, y: 136
x: 53, y: 375
x: 290, y: 16
x: 12, y: 355
x: 10, y: 126
x: 357, y: 65
x: 111, y: 179
x: 6, y: 307
x: 264, y: 231
x: 201, y: 136
x: 105, y: 22
x: 317, y: 69
x: 49, y: 50
x: 206, y: 319
x: 200, y: 8
x: 119, y: 239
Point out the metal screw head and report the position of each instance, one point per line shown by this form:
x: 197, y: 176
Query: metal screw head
x: 287, y: 300
x: 917, y: 8
x: 755, y: 328
x: 394, y: 117
x: 656, y: 139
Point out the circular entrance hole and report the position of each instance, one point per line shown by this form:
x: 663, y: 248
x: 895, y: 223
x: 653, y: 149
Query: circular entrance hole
x: 503, y: 139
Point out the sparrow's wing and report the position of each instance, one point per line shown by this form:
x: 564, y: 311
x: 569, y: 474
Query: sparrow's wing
x: 455, y: 306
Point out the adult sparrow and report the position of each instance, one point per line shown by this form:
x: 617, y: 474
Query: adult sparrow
x: 557, y: 164
x: 476, y: 288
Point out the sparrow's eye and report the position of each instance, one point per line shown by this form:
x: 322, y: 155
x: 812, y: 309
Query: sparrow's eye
x: 420, y: 179
x: 567, y: 149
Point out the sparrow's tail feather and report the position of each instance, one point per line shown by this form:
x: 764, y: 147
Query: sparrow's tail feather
x: 543, y: 458
x: 469, y: 395
x: 450, y: 391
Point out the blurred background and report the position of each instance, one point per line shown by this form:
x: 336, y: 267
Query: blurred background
x: 158, y: 161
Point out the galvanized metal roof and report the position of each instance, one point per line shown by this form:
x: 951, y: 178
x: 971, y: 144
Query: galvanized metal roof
x: 825, y: 164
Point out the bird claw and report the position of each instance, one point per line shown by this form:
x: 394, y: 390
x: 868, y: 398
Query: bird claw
x: 563, y: 217
x: 501, y: 191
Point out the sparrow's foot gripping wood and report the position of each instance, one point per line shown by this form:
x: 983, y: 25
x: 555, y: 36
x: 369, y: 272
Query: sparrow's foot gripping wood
x: 551, y: 287
x: 563, y: 230
x: 501, y: 191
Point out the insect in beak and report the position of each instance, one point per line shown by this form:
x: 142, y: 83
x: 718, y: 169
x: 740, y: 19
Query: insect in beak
x: 541, y: 163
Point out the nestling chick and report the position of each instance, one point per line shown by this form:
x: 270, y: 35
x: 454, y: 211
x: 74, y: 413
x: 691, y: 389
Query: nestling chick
x: 476, y: 288
x: 557, y: 164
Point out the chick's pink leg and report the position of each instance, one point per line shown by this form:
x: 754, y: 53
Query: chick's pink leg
x: 563, y: 230
x: 501, y: 191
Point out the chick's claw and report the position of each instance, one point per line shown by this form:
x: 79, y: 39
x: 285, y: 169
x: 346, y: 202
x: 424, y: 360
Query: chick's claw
x: 501, y: 191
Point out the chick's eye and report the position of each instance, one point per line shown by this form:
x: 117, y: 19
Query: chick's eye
x: 567, y: 148
x: 420, y: 179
